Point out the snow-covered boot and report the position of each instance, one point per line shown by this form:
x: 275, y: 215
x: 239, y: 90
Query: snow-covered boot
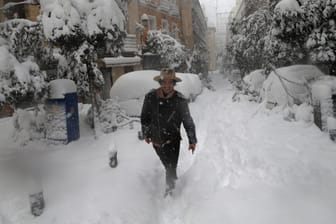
x: 36, y: 203
x: 169, y: 189
x: 170, y: 183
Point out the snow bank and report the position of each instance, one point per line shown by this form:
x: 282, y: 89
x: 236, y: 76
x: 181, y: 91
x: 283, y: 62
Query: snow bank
x: 255, y: 80
x: 304, y: 112
x: 131, y: 88
x: 287, y: 82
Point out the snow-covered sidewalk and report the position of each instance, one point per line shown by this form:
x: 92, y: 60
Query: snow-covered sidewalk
x: 249, y: 167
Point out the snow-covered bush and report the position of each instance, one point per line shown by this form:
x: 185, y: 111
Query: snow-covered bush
x: 29, y: 125
x: 249, y: 87
x: 78, y: 28
x: 255, y: 80
x: 248, y: 41
x: 253, y: 83
x: 302, y: 112
x: 198, y: 60
x: 172, y: 53
x: 22, y: 54
x: 73, y: 67
x: 110, y: 116
x: 19, y: 81
x: 321, y: 43
x: 68, y: 23
x: 287, y: 38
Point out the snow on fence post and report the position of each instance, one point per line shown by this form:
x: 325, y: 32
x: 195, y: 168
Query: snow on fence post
x: 324, y: 102
x: 113, y: 156
x: 317, y: 114
x: 332, y: 120
x: 62, y: 112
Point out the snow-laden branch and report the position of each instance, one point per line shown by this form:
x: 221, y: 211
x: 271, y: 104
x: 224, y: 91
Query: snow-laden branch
x: 14, y: 22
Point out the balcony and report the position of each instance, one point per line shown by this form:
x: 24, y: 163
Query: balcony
x: 130, y: 46
x: 173, y: 10
x: 152, y: 3
x: 164, y: 5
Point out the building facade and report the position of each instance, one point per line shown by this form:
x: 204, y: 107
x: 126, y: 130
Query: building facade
x: 212, y: 48
x: 19, y: 9
x: 222, y: 23
x: 142, y: 16
x: 166, y: 15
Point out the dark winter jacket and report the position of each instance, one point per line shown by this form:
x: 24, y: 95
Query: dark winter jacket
x: 161, y: 118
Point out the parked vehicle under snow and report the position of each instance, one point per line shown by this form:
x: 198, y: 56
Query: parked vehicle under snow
x: 131, y: 88
x: 289, y: 85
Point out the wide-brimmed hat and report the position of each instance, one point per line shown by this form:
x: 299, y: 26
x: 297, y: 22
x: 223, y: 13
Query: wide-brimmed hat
x: 167, y: 73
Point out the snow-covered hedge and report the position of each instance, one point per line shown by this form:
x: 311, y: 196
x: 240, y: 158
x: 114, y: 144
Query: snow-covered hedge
x: 131, y: 88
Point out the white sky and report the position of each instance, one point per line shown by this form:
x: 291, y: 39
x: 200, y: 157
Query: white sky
x: 222, y: 6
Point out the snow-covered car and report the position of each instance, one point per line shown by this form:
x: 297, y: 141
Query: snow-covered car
x: 289, y: 85
x: 130, y: 89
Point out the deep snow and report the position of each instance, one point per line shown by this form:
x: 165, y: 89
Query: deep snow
x: 250, y: 167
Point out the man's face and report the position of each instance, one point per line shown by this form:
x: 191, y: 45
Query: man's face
x: 167, y: 85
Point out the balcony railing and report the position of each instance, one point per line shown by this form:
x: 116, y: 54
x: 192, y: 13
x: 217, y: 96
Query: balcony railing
x: 173, y: 10
x: 130, y: 45
x: 165, y: 5
x: 152, y: 3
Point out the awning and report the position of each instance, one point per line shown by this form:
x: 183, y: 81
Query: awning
x: 111, y: 62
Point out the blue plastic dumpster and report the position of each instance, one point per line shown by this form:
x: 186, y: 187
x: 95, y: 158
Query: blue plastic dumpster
x: 62, y: 112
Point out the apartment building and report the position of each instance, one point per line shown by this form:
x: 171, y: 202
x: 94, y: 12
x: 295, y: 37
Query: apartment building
x: 222, y: 23
x: 142, y: 16
x: 212, y: 48
x: 19, y: 9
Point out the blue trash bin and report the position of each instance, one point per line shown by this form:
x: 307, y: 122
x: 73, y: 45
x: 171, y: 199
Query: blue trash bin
x: 62, y: 112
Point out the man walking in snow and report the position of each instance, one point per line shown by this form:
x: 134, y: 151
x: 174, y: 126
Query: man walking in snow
x: 163, y: 111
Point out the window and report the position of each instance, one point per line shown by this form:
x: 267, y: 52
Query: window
x: 152, y: 22
x: 164, y: 26
x: 174, y: 32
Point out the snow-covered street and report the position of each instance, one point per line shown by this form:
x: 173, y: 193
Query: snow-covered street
x: 250, y: 167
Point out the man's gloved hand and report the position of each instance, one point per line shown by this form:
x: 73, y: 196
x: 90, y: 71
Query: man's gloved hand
x: 148, y: 140
x: 192, y: 147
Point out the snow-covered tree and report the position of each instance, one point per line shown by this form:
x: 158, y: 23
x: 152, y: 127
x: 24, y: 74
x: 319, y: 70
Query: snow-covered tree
x: 321, y: 43
x: 249, y: 37
x: 172, y: 53
x: 288, y: 34
x: 198, y: 60
x: 20, y: 76
x: 19, y: 81
x: 76, y: 26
